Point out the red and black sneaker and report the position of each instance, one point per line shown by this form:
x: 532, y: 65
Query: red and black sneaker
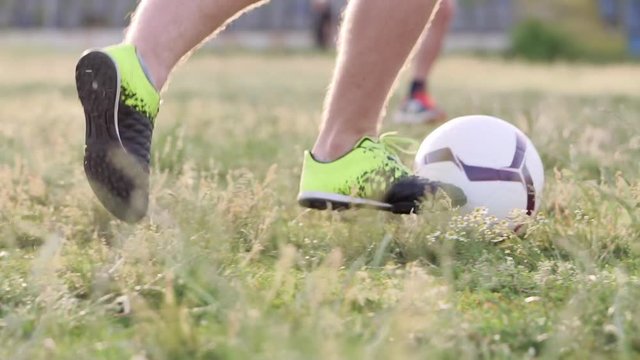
x: 419, y: 109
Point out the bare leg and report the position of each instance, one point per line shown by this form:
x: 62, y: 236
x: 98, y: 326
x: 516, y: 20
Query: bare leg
x: 164, y: 31
x: 431, y: 45
x: 364, y: 73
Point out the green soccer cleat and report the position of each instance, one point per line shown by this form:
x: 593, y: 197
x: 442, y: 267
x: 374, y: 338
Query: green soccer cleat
x: 370, y: 175
x: 120, y: 105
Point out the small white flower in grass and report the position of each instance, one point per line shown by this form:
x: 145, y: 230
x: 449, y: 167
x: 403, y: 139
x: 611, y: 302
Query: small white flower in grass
x: 253, y: 314
x: 542, y: 337
x: 531, y: 299
x: 49, y: 344
x: 611, y: 329
x: 122, y: 305
x: 444, y: 306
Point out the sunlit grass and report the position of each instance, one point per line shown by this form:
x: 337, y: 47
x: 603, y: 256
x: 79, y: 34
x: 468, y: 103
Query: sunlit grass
x: 228, y: 266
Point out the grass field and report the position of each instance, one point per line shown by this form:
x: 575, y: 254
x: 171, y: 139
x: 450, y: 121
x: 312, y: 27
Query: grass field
x: 228, y: 266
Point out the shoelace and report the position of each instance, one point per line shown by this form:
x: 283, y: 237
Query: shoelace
x: 398, y: 144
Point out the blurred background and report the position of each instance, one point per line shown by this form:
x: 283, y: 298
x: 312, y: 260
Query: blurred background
x: 595, y: 30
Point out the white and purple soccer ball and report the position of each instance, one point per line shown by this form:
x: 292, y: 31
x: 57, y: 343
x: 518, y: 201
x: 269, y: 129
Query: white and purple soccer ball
x: 493, y: 162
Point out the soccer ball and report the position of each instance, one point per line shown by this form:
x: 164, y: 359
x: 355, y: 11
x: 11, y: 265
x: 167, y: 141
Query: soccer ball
x: 492, y: 161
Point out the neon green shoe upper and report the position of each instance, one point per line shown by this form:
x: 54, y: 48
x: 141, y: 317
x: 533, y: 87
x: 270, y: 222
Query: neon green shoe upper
x: 365, y: 172
x: 136, y: 90
x: 113, y: 86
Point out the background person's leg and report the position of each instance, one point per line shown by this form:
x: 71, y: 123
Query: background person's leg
x: 433, y: 40
x: 419, y: 106
x: 375, y: 41
x: 164, y: 31
x: 322, y: 23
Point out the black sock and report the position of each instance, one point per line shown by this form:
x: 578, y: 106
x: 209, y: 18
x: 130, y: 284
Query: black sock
x: 417, y: 86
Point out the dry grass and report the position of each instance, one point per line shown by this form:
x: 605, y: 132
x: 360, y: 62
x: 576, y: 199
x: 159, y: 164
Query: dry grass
x: 227, y: 266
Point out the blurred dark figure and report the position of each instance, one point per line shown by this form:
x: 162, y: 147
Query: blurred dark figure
x: 322, y: 23
x: 624, y: 15
x: 633, y: 26
x: 611, y: 10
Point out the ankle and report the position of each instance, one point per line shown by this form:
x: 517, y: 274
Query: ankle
x: 151, y: 64
x: 329, y: 148
x: 147, y: 71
